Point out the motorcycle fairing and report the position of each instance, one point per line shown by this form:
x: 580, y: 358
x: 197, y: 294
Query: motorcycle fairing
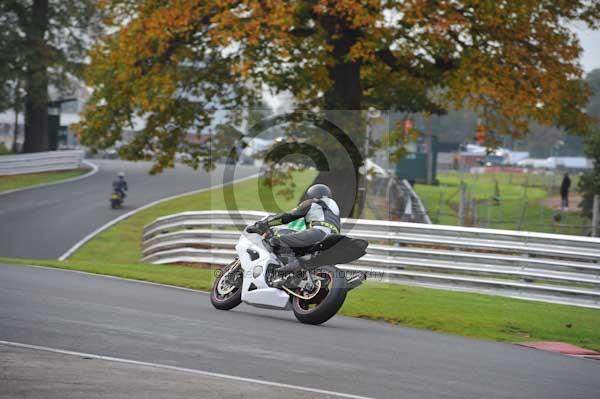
x: 255, y: 290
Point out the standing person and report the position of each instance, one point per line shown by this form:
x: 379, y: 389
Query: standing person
x: 564, y: 191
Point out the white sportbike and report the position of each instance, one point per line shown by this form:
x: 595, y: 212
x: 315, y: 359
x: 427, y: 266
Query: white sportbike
x: 314, y: 294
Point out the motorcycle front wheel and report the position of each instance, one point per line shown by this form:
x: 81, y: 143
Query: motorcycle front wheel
x: 226, y: 291
x: 327, y: 302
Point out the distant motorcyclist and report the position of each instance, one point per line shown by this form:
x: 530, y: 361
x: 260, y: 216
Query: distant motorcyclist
x: 120, y: 185
x: 321, y: 215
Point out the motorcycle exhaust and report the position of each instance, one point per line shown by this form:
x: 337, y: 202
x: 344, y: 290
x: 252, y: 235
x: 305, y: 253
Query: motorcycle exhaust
x: 356, y: 280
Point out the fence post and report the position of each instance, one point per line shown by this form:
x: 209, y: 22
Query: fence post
x: 522, y: 217
x: 461, y: 205
x: 439, y: 208
x: 467, y: 211
x: 595, y: 215
x: 388, y: 195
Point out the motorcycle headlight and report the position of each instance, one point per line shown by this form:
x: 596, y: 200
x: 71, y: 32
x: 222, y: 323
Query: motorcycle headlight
x: 257, y: 271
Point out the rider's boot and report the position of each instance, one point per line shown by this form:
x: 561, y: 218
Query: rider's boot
x: 286, y: 273
x: 292, y: 266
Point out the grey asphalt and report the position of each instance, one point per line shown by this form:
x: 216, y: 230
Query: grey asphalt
x: 112, y: 317
x: 30, y: 373
x: 42, y: 223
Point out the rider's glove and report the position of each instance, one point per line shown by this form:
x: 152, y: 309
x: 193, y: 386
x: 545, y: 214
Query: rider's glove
x: 260, y: 227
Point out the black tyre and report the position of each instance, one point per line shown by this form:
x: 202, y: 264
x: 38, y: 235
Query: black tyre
x: 226, y: 292
x: 327, y: 302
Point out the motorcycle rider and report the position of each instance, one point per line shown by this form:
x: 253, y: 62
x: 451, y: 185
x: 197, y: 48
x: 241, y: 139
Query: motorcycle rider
x: 120, y: 185
x: 321, y: 215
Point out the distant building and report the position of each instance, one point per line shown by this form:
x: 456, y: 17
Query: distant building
x: 553, y: 163
x: 472, y: 155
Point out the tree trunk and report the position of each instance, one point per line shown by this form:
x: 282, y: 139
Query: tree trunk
x: 36, y: 84
x: 15, y: 146
x: 16, y: 109
x: 346, y: 91
x: 343, y: 102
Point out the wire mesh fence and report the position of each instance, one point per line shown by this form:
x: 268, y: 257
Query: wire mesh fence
x: 525, y: 201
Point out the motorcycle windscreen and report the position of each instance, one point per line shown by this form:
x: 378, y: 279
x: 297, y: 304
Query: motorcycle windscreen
x: 339, y: 250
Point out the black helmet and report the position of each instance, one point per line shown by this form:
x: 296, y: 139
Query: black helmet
x: 317, y: 191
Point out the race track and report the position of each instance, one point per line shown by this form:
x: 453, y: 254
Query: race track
x: 179, y: 328
x: 157, y: 324
x: 45, y: 222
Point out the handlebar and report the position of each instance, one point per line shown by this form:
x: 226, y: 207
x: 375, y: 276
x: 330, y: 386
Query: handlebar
x: 253, y: 229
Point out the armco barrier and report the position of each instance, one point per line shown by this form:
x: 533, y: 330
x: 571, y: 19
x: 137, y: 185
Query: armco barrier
x: 546, y: 267
x: 40, y: 162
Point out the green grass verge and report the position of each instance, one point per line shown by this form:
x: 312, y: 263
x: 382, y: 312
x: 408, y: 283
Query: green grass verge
x: 517, y: 191
x: 466, y: 314
x: 4, y: 150
x: 475, y: 315
x: 181, y: 276
x: 8, y: 183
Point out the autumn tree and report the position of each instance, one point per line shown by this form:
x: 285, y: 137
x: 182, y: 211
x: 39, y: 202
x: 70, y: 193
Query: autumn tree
x: 175, y: 62
x: 43, y: 43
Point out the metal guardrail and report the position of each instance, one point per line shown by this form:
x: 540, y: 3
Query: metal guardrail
x: 40, y: 162
x: 537, y: 266
x: 415, y: 211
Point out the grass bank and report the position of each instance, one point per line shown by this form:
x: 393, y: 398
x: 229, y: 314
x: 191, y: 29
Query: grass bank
x: 180, y: 276
x: 8, y: 183
x: 475, y: 315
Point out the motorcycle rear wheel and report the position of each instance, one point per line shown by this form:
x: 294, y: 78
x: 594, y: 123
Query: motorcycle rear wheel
x: 327, y: 302
x: 229, y: 298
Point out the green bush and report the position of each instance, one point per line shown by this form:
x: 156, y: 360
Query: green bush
x: 4, y: 150
x: 589, y: 184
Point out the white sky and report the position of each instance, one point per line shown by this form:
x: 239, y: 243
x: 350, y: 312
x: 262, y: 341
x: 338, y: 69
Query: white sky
x: 590, y: 41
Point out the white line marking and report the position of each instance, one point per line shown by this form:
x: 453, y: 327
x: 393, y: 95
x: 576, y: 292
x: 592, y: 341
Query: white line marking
x: 93, y: 171
x: 184, y: 370
x: 81, y: 242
